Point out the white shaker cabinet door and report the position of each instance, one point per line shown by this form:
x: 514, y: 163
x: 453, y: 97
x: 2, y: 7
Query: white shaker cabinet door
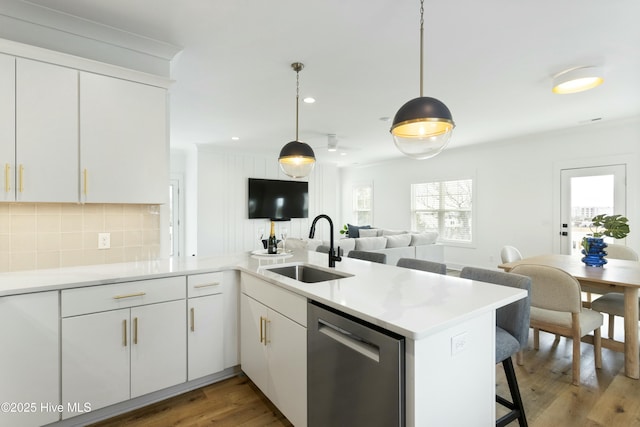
x: 46, y: 167
x: 8, y: 128
x: 253, y: 349
x: 95, y: 359
x: 158, y: 346
x: 205, y: 336
x: 29, y: 358
x: 124, y: 141
x: 287, y: 343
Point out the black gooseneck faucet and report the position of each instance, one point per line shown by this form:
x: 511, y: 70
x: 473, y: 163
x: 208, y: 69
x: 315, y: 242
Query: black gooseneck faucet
x: 332, y: 254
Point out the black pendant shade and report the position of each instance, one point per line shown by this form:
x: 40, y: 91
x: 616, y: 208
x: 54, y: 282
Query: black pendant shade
x: 297, y: 158
x: 422, y: 127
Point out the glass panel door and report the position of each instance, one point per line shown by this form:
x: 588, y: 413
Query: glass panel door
x: 585, y: 193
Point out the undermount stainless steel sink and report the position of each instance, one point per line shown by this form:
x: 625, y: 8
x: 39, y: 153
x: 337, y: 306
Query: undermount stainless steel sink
x: 307, y: 273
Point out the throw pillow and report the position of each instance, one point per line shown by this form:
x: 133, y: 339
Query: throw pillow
x: 393, y: 232
x: 370, y: 243
x: 427, y: 238
x: 354, y: 230
x: 369, y: 232
x: 398, y: 241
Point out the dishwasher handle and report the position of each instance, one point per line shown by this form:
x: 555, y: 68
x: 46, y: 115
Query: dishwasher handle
x: 350, y: 340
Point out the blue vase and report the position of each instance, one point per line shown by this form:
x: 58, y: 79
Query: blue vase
x: 594, y: 257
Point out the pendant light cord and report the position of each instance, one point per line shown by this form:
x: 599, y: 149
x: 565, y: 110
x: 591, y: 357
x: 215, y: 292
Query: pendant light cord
x: 421, y: 45
x: 297, y: 99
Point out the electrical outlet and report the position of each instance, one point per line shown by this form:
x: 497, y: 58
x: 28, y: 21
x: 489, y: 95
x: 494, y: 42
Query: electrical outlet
x: 458, y: 343
x: 104, y: 240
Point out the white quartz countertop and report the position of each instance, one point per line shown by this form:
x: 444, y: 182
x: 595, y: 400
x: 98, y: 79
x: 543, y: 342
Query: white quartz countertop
x: 411, y: 303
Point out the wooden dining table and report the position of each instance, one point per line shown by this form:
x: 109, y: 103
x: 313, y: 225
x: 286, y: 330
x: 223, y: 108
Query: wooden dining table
x: 616, y: 276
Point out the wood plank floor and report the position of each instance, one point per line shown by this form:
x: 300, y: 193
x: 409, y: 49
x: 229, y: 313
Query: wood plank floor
x: 605, y: 398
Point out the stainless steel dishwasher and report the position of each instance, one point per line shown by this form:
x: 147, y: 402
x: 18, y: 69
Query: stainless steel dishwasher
x: 355, y: 371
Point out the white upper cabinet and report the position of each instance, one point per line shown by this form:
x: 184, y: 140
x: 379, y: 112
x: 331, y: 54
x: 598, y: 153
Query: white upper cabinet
x: 8, y: 128
x: 46, y: 165
x: 123, y: 141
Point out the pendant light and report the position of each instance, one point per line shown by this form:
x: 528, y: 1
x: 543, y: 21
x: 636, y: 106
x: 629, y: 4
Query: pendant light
x: 423, y: 126
x: 297, y: 158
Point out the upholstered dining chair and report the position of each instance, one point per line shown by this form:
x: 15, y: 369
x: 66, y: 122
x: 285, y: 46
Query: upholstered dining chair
x: 512, y: 334
x: 424, y: 265
x: 612, y: 303
x: 323, y: 249
x: 510, y: 254
x: 556, y: 307
x: 368, y: 256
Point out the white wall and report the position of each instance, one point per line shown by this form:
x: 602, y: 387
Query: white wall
x: 218, y: 214
x: 516, y: 186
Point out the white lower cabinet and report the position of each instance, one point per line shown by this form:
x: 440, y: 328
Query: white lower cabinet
x: 273, y: 342
x: 121, y: 353
x: 205, y: 336
x: 29, y: 359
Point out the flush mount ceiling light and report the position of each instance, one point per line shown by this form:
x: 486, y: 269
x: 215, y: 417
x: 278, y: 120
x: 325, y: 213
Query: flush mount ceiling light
x: 577, y: 80
x: 423, y: 126
x: 296, y: 157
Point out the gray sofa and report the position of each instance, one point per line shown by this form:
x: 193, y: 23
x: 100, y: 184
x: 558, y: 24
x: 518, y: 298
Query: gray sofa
x: 395, y: 244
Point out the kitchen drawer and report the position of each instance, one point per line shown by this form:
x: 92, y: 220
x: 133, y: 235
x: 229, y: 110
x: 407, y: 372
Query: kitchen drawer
x: 287, y: 303
x: 93, y: 299
x: 204, y: 284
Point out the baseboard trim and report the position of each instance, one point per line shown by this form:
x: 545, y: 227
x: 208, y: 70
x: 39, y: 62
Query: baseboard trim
x: 139, y: 402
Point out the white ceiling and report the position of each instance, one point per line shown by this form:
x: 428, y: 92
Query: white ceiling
x: 491, y: 62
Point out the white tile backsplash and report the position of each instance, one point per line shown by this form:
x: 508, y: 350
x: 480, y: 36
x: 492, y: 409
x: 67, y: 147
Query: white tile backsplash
x: 51, y: 235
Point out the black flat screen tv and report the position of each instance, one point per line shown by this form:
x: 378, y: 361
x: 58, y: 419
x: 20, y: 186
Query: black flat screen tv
x: 278, y: 199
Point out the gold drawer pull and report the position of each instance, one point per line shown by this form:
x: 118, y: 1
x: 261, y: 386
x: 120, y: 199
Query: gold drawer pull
x: 7, y: 178
x: 124, y: 332
x: 135, y: 330
x: 21, y: 176
x: 261, y: 333
x: 206, y: 285
x: 193, y: 319
x: 84, y: 181
x: 137, y: 294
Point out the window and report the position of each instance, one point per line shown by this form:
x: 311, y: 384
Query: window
x: 362, y: 205
x: 444, y: 207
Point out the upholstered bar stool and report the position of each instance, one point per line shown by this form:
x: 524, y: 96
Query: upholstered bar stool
x: 424, y: 265
x: 512, y: 334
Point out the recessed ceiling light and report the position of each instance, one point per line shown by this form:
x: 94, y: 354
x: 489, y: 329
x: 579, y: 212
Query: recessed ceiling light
x: 235, y: 138
x: 309, y: 100
x: 577, y: 80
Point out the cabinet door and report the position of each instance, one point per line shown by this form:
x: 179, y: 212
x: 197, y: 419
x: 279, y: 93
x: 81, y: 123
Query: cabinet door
x: 253, y: 351
x: 29, y: 357
x: 47, y: 132
x: 8, y: 128
x: 287, y: 355
x: 95, y: 359
x: 123, y: 138
x: 205, y: 336
x: 158, y: 346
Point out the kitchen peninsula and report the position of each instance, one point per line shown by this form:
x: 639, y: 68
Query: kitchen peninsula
x: 448, y: 324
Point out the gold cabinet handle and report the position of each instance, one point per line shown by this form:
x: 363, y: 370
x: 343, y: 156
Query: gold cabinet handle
x: 124, y: 332
x: 206, y: 285
x: 135, y: 330
x: 84, y: 181
x: 7, y: 177
x: 193, y: 319
x: 266, y: 322
x: 137, y: 294
x: 261, y: 332
x: 21, y: 178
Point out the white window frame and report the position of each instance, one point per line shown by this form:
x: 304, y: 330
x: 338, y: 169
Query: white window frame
x: 442, y: 211
x: 354, y: 203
